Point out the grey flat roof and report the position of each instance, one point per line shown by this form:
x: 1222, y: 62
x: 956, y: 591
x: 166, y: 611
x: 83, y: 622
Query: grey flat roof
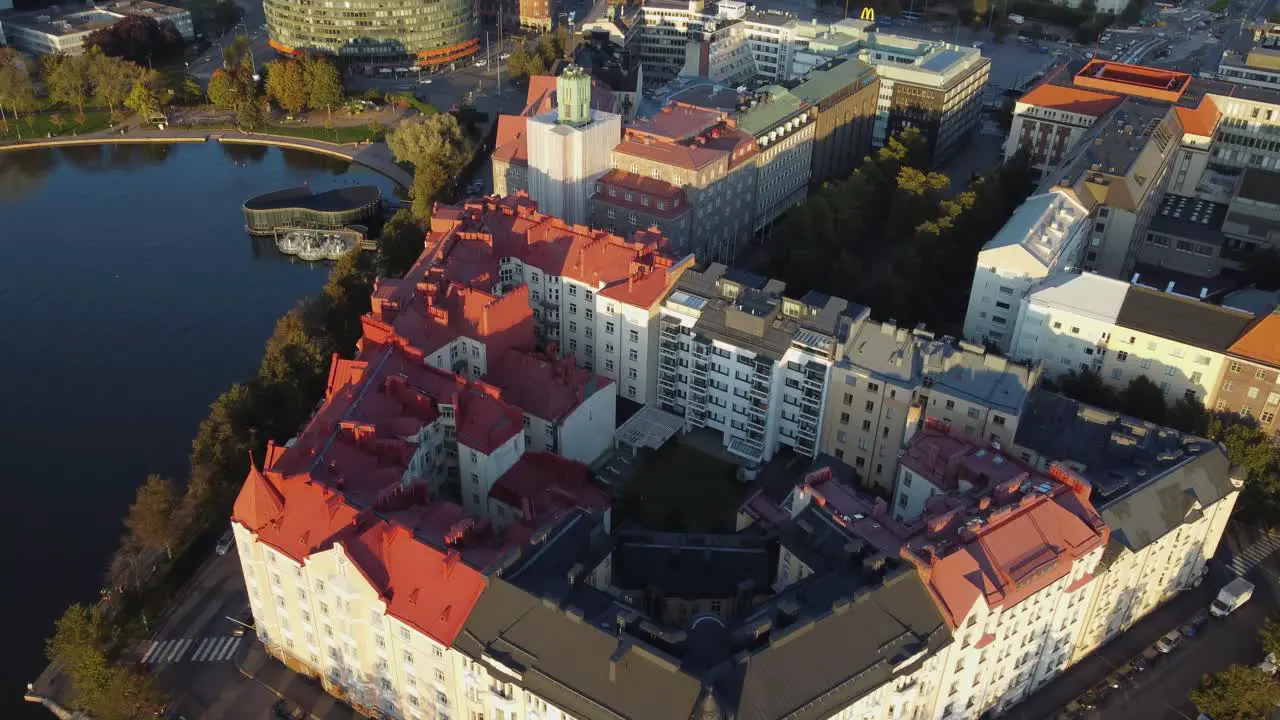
x: 1144, y: 477
x: 1190, y: 218
x: 818, y: 85
x: 337, y: 200
x: 1260, y: 185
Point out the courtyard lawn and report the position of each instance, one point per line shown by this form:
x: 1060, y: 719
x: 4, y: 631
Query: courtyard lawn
x: 683, y: 490
x: 341, y: 135
x: 55, y: 124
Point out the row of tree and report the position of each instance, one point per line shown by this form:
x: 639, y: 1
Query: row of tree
x: 74, y: 81
x: 1248, y: 445
x: 307, y: 83
x: 894, y: 237
x: 164, y: 522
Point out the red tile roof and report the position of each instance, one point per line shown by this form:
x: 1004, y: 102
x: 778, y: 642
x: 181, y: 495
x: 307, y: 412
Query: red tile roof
x: 544, y: 485
x: 947, y: 460
x: 511, y: 144
x: 489, y: 229
x: 1072, y: 100
x: 542, y: 385
x: 1261, y: 342
x: 430, y: 589
x: 687, y: 137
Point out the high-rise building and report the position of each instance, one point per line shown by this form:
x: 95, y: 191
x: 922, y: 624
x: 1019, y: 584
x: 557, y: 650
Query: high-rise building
x: 569, y: 149
x: 845, y: 95
x: 436, y: 33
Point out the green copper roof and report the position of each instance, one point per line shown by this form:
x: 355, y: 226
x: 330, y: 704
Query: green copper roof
x: 781, y: 106
x: 822, y: 84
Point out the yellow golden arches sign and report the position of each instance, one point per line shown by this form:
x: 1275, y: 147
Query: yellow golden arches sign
x: 868, y: 14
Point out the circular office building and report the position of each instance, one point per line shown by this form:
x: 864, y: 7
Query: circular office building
x: 299, y: 208
x: 432, y: 32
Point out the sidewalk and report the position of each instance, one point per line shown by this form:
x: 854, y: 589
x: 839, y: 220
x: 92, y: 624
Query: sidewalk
x: 305, y: 692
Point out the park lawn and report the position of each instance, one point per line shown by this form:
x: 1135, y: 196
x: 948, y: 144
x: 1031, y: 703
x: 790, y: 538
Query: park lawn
x: 341, y: 135
x: 683, y: 490
x: 41, y: 125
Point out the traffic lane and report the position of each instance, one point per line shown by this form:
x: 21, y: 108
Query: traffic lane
x: 1161, y: 690
x: 216, y: 691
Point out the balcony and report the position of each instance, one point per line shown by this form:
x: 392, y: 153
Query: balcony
x: 669, y: 346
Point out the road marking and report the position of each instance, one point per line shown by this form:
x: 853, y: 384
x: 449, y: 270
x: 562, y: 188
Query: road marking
x: 216, y: 648
x: 208, y: 651
x: 150, y: 650
x: 182, y: 649
x: 170, y: 651
x: 195, y: 656
x: 232, y: 649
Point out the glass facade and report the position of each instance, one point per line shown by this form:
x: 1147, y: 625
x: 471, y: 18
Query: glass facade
x: 432, y: 31
x: 298, y: 208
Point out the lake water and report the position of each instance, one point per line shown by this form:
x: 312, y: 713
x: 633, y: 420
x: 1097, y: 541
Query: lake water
x: 130, y: 297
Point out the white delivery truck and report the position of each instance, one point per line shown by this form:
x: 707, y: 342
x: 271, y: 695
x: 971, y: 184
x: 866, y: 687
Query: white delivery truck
x: 1233, y: 595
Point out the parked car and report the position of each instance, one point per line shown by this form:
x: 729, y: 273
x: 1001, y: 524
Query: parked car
x: 1193, y: 626
x: 225, y: 542
x: 1169, y: 642
x: 482, y: 62
x: 287, y: 710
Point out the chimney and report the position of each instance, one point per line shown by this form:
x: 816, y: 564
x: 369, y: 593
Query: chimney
x: 984, y: 502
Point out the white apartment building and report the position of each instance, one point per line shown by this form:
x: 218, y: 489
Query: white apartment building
x: 569, y: 149
x: 1043, y: 236
x: 739, y: 358
x: 1166, y: 499
x: 1087, y: 322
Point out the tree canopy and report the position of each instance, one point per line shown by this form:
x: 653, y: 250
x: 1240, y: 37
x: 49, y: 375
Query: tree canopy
x: 152, y: 518
x: 17, y: 92
x: 137, y: 38
x: 893, y: 236
x: 437, y: 148
x: 297, y: 84
x: 1238, y: 693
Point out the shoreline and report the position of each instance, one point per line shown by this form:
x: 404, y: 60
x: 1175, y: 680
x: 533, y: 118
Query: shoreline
x: 353, y: 154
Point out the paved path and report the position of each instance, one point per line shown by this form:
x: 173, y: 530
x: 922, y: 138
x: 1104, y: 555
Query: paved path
x: 376, y: 156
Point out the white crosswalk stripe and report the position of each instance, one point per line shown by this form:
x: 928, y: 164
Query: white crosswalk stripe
x: 207, y: 649
x: 1250, y: 557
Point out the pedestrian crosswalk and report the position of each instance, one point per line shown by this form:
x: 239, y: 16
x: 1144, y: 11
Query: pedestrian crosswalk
x: 207, y: 649
x: 1250, y: 557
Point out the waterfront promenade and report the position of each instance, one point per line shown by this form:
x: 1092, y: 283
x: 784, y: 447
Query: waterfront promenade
x: 375, y: 156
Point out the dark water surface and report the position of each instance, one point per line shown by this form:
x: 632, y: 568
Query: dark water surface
x: 130, y: 297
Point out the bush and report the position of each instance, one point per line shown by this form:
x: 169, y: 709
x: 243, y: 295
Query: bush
x: 408, y: 99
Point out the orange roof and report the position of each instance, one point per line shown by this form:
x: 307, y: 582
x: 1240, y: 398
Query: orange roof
x: 426, y: 587
x: 542, y: 385
x: 1135, y: 80
x: 512, y: 145
x: 1201, y: 120
x: 1261, y: 342
x: 1069, y: 99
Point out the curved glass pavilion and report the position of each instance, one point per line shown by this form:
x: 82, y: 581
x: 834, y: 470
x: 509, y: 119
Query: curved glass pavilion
x: 300, y: 208
x: 434, y: 32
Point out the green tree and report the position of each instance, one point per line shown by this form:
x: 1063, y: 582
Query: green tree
x: 518, y: 63
x: 220, y: 450
x: 1087, y: 387
x: 143, y: 100
x: 1143, y: 399
x: 223, y: 89
x: 69, y: 82
x: 17, y: 92
x: 293, y: 371
x: 1189, y: 416
x: 324, y: 82
x: 238, y: 53
x: 78, y: 636
x: 345, y: 298
x: 287, y: 84
x: 1269, y: 634
x: 429, y: 140
x: 1256, y: 453
x: 112, y: 77
x: 1238, y: 693
x: 152, y: 519
x: 401, y: 242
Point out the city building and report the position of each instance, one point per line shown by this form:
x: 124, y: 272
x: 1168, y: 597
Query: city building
x: 1044, y: 235
x: 1165, y: 496
x: 681, y: 160
x: 739, y: 358
x: 569, y: 149
x: 1088, y: 322
x: 594, y: 296
x: 1051, y: 119
x: 1120, y: 171
x: 845, y: 95
x: 783, y: 127
x: 614, y: 67
x: 437, y: 33
x: 301, y: 207
x: 1253, y: 58
x: 55, y: 30
x: 887, y: 382
x: 1185, y: 236
x: 510, y: 157
x: 1252, y: 222
x: 1010, y: 564
x: 1251, y: 385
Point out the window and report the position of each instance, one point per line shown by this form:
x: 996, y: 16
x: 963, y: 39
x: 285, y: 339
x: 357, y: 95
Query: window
x: 408, y: 658
x: 1226, y: 386
x: 633, y: 355
x: 848, y: 398
x: 870, y: 406
x: 1145, y: 364
x: 634, y: 335
x: 1170, y: 371
x: 1267, y: 417
x: 973, y: 412
x: 1260, y: 374
x: 1234, y: 367
x: 997, y: 420
x: 608, y: 328
x: 1122, y: 356
x: 1115, y: 374
x: 1253, y: 393
x: 866, y: 426
x: 844, y: 418
x: 873, y: 387
x: 951, y: 404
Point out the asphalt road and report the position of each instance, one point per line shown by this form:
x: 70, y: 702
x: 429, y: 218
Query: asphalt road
x: 194, y: 652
